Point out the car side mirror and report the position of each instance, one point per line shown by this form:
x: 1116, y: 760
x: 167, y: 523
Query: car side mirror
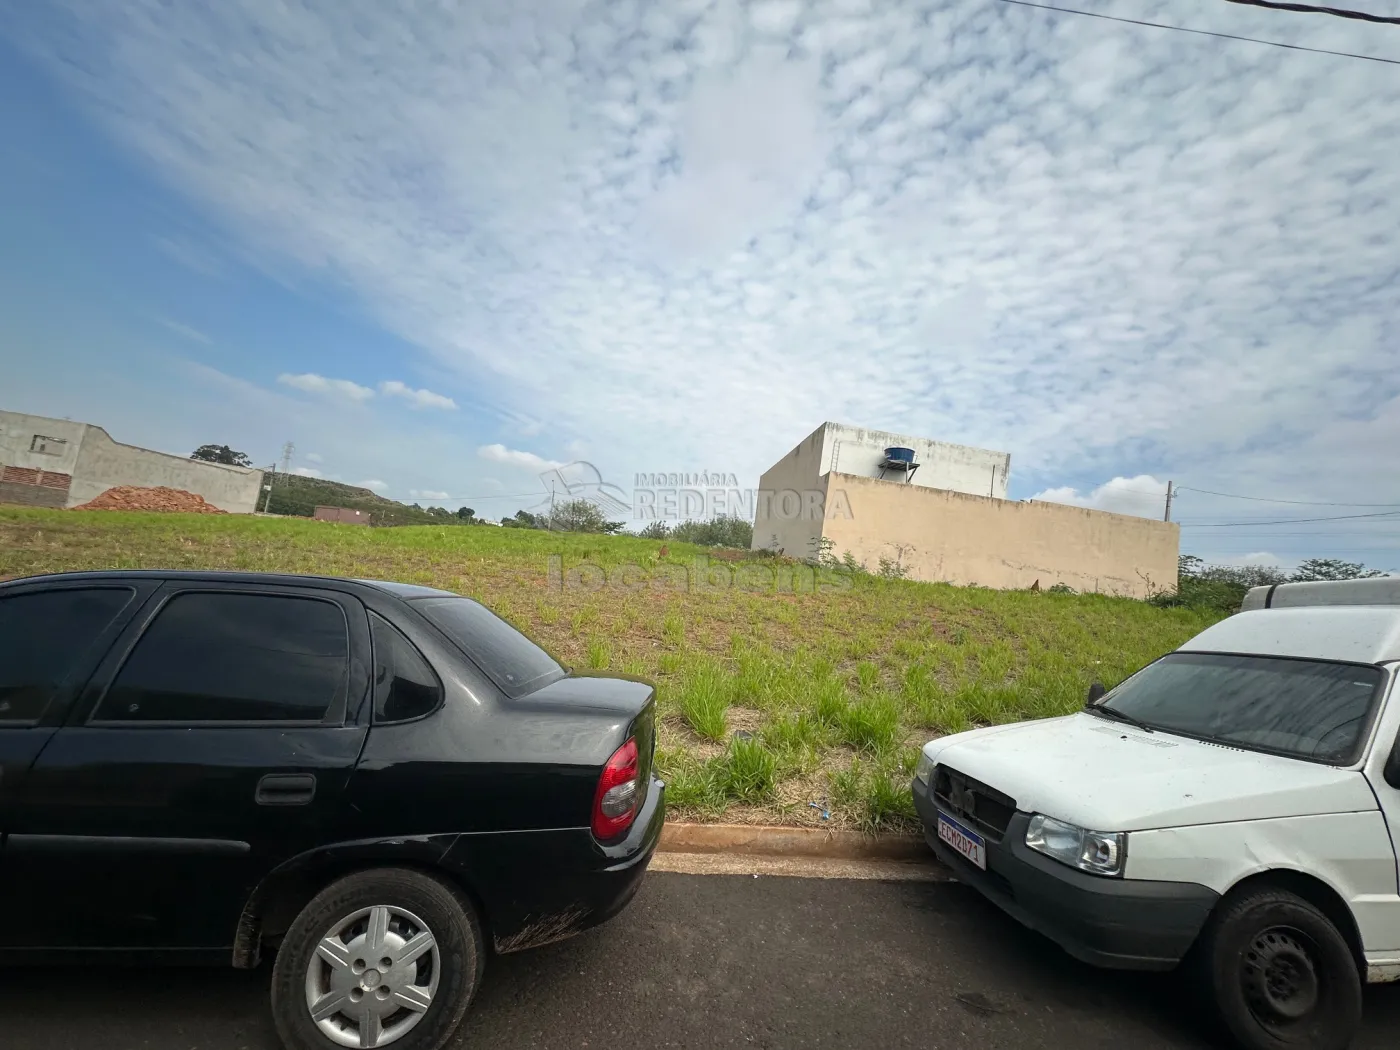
x: 1391, y: 772
x: 1096, y: 692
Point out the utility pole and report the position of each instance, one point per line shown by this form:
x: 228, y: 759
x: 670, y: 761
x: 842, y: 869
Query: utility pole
x: 551, y: 507
x: 267, y: 487
x: 1168, y: 515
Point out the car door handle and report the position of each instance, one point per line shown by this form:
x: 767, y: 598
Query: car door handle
x: 285, y: 789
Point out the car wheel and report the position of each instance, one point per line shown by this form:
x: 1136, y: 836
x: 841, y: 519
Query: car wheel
x: 1281, y: 976
x: 389, y: 957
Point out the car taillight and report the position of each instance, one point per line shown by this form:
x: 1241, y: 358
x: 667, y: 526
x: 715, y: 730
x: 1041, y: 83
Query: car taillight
x: 615, y: 802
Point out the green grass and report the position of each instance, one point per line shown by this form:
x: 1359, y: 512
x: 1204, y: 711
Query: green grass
x: 704, y: 701
x: 837, y: 687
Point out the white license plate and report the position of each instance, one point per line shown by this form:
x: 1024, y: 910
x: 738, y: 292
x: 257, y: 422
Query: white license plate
x: 968, y: 843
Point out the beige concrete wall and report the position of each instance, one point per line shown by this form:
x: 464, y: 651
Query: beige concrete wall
x: 959, y: 468
x: 957, y: 538
x: 18, y: 444
x: 797, y: 472
x: 104, y: 463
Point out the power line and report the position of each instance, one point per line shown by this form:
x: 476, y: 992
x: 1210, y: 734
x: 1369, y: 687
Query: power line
x: 1311, y: 9
x: 1295, y: 502
x: 1200, y: 32
x: 1284, y: 521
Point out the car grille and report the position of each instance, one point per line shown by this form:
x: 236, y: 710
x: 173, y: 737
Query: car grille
x: 983, y: 807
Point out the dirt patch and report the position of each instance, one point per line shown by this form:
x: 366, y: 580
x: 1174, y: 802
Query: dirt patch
x: 744, y: 719
x: 674, y: 732
x: 128, y: 497
x: 726, y: 554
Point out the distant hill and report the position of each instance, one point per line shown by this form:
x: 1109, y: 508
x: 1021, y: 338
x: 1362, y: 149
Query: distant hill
x: 299, y: 496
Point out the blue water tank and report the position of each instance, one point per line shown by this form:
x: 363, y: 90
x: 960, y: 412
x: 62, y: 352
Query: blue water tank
x: 899, y: 455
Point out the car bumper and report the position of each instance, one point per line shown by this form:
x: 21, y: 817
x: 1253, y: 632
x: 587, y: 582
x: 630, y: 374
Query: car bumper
x: 537, y: 887
x: 1119, y: 923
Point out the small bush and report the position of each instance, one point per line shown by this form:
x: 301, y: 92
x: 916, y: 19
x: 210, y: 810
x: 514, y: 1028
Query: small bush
x: 874, y: 795
x: 793, y: 734
x: 943, y: 713
x: 673, y: 629
x: 599, y: 655
x: 887, y: 800
x: 690, y: 784
x: 831, y: 702
x: 867, y: 675
x: 871, y: 724
x: 749, y: 770
x: 721, y: 531
x: 704, y: 701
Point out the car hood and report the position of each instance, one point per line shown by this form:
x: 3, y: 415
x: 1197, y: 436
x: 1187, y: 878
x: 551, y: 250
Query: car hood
x: 1112, y: 777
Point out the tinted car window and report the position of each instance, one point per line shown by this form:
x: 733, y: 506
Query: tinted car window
x: 233, y: 658
x: 404, y: 685
x: 41, y: 638
x: 1303, y: 708
x: 509, y: 659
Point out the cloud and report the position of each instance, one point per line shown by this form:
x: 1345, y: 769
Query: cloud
x: 416, y: 398
x: 1143, y: 496
x: 338, y: 388
x: 374, y: 484
x: 515, y: 458
x: 313, y: 457
x: 751, y: 143
x: 691, y: 233
x: 428, y: 494
x: 185, y: 330
x: 306, y: 472
x: 1263, y: 558
x: 190, y: 255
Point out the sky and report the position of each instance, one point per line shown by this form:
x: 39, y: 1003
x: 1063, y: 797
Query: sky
x: 443, y: 247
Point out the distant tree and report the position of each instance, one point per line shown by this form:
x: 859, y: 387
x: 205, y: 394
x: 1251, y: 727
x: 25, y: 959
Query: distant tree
x: 220, y: 454
x: 467, y: 515
x: 523, y: 519
x: 579, y: 515
x: 1332, y: 569
x: 1223, y: 587
x: 720, y: 531
x: 655, y: 530
x: 1217, y: 587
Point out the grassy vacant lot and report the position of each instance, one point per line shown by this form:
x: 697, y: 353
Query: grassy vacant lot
x: 830, y: 682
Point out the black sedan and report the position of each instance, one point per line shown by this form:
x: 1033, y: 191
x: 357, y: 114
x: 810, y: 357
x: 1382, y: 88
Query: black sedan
x: 376, y: 780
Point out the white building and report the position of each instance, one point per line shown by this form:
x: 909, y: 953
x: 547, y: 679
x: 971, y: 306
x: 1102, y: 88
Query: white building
x: 834, y: 448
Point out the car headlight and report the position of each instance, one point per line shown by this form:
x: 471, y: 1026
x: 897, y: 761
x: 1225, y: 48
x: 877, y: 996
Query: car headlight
x: 1097, y: 852
x: 924, y: 769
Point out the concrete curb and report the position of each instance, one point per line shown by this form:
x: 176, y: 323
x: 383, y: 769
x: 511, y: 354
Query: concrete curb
x: 762, y: 840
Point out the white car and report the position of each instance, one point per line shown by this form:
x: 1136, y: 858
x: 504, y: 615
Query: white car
x: 1234, y: 802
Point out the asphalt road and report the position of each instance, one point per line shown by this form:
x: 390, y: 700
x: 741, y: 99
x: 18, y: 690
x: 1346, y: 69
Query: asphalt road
x: 703, y: 961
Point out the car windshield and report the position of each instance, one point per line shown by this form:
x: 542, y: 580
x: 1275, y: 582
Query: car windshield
x: 1307, y: 709
x: 516, y: 664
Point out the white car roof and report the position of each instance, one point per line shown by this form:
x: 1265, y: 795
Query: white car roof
x: 1368, y: 634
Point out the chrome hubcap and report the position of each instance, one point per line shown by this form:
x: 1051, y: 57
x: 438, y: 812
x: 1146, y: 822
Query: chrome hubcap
x: 373, y: 976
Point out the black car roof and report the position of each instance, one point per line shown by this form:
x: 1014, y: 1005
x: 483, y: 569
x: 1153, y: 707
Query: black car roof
x: 398, y: 590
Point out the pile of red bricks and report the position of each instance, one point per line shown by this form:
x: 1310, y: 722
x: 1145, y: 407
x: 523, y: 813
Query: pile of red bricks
x: 127, y: 497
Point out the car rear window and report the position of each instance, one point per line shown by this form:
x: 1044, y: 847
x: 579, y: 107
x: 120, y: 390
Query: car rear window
x: 516, y: 664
